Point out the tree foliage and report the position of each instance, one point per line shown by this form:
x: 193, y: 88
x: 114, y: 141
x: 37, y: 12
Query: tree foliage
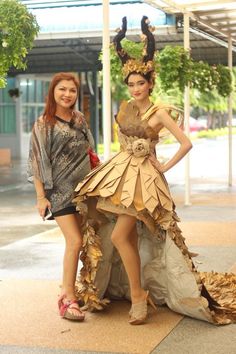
x: 18, y: 29
x: 178, y: 69
x: 225, y: 78
x: 204, y: 77
x: 174, y: 67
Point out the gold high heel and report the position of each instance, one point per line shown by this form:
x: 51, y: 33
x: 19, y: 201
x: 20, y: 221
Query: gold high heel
x: 139, y: 311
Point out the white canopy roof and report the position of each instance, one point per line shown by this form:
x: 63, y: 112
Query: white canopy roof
x: 218, y: 18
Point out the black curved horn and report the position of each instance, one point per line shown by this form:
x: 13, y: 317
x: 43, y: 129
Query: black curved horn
x: 150, y: 40
x: 117, y: 42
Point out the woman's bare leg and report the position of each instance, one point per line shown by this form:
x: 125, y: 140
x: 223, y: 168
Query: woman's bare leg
x: 70, y: 227
x: 125, y: 239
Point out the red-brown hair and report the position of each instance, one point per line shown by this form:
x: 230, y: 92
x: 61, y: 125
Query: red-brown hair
x: 50, y: 107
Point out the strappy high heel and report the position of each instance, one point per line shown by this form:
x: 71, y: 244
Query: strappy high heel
x: 139, y: 311
x: 65, y: 305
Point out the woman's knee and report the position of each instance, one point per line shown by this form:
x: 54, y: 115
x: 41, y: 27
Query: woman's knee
x: 114, y: 238
x: 123, y: 230
x: 74, y: 243
x: 117, y: 239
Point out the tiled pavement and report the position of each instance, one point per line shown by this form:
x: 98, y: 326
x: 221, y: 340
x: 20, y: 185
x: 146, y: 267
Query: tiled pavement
x: 209, y: 226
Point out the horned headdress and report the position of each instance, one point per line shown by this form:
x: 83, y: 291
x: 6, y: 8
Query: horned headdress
x: 144, y: 65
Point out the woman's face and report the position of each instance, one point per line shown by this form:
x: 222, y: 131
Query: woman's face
x: 65, y: 93
x: 138, y: 86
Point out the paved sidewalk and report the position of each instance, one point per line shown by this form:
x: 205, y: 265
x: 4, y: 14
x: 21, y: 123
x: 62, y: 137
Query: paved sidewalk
x: 209, y: 226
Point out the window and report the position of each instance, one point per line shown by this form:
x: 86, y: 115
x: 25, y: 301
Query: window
x: 33, y: 93
x: 7, y: 109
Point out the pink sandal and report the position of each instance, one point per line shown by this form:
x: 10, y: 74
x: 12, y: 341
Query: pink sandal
x: 64, y: 305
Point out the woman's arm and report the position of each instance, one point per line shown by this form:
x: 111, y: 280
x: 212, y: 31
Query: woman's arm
x: 42, y: 202
x: 163, y: 119
x: 39, y: 161
x: 39, y: 169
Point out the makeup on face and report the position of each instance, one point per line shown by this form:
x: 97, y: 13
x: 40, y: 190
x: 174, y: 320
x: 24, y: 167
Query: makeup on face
x: 65, y: 93
x: 138, y: 86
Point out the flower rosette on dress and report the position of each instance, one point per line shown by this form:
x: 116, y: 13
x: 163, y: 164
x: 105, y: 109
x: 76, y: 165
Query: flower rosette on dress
x: 136, y: 146
x: 139, y: 148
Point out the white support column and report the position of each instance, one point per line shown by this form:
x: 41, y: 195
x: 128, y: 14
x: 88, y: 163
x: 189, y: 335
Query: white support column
x: 230, y: 115
x: 106, y: 97
x: 19, y: 123
x: 187, y: 114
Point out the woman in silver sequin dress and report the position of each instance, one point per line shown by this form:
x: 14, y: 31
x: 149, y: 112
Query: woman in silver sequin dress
x: 58, y: 159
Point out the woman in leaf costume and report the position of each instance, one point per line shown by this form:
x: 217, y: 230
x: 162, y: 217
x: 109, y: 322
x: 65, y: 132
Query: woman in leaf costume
x: 129, y: 209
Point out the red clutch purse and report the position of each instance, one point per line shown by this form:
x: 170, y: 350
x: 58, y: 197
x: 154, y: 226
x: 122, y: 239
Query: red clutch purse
x: 94, y: 159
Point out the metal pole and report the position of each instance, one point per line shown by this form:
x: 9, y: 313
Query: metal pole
x: 19, y: 124
x: 230, y: 115
x: 106, y: 97
x: 187, y: 114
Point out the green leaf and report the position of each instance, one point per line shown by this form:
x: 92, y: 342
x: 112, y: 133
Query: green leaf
x: 18, y: 28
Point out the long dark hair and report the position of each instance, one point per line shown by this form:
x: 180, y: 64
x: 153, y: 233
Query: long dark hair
x: 50, y: 107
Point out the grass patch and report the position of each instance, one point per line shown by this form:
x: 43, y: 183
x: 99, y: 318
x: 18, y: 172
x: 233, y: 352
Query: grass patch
x: 214, y: 133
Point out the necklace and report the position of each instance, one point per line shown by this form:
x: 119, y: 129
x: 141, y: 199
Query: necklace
x: 145, y: 111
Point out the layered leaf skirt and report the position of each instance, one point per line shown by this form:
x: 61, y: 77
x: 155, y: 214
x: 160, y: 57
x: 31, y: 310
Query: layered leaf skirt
x: 129, y: 184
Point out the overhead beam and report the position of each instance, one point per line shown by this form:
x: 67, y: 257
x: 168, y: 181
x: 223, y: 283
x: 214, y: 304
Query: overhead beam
x: 162, y: 30
x: 171, y: 5
x: 221, y: 19
x: 210, y: 26
x: 60, y: 46
x: 232, y: 27
x: 195, y: 5
x: 176, y: 8
x: 190, y: 6
x: 51, y: 65
x: 214, y: 12
x: 57, y: 51
x: 33, y: 4
x: 210, y: 37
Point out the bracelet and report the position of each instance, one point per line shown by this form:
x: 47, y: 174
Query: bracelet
x: 42, y: 197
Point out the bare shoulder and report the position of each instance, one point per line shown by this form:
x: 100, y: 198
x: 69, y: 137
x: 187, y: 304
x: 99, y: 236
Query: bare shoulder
x: 162, y: 113
x: 158, y: 117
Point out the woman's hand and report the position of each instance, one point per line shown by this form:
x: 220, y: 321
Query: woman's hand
x: 162, y: 119
x: 156, y: 164
x: 42, y: 205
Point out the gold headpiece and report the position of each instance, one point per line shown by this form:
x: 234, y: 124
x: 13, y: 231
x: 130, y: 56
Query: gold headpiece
x: 130, y: 65
x: 138, y: 66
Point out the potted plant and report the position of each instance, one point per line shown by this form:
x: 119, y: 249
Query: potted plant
x: 14, y: 93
